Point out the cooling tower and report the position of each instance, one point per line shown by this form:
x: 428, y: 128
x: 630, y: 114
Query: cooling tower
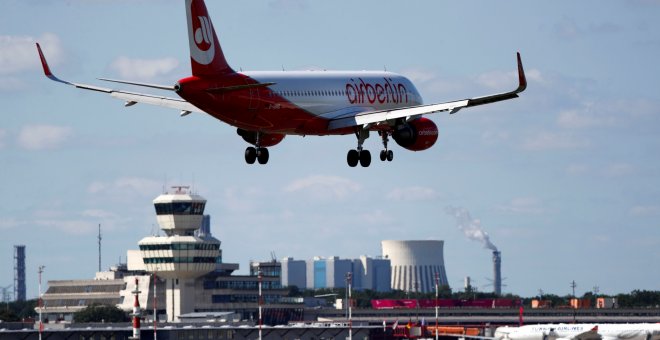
x: 415, y: 264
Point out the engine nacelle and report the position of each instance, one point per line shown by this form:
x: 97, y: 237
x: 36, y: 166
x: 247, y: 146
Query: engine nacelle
x: 265, y: 139
x: 416, y: 135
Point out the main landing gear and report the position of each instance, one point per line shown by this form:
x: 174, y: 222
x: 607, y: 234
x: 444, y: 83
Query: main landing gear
x: 359, y: 155
x: 256, y: 153
x: 363, y: 156
x: 253, y: 154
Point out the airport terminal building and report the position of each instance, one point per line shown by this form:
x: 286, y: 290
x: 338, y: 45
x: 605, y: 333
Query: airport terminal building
x: 190, y: 277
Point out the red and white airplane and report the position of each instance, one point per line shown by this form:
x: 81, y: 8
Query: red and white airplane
x: 267, y: 106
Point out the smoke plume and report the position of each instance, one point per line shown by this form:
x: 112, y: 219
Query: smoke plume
x: 470, y: 227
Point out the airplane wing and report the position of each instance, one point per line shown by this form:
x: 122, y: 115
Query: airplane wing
x: 131, y: 98
x: 377, y: 117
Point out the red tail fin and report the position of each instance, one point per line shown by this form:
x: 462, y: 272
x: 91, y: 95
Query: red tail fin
x: 206, y: 57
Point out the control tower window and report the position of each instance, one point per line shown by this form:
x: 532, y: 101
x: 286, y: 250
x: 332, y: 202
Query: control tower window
x: 180, y: 208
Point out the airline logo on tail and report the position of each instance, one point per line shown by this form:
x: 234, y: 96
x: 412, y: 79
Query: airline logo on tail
x: 201, y: 31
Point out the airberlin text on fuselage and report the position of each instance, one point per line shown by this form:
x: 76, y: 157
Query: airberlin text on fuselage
x: 360, y: 92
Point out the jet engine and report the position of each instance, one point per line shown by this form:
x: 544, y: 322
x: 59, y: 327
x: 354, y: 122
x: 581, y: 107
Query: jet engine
x: 265, y: 139
x: 416, y: 135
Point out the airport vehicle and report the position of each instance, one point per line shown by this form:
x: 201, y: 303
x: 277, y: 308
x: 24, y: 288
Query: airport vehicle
x: 267, y: 106
x: 602, y: 331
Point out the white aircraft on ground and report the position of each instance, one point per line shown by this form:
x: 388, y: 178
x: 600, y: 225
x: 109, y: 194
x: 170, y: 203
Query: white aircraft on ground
x: 582, y: 331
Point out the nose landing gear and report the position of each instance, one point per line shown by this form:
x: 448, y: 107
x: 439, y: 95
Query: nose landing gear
x: 385, y: 154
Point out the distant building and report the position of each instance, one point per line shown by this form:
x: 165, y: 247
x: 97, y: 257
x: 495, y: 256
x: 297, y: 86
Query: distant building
x: 294, y: 273
x: 415, y: 264
x: 320, y: 273
x: 372, y: 273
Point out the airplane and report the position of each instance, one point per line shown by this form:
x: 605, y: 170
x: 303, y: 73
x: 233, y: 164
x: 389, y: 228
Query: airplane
x: 601, y: 331
x: 266, y: 106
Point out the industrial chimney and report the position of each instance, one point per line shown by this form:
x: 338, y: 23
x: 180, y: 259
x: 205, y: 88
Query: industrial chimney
x: 497, y: 272
x: 19, y: 273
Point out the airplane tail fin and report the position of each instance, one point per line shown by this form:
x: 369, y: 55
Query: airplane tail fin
x: 206, y: 57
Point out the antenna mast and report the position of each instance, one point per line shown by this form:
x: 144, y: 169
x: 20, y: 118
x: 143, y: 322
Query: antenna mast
x: 99, y: 247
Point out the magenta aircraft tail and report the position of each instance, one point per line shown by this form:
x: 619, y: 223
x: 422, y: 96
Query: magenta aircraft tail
x: 206, y: 57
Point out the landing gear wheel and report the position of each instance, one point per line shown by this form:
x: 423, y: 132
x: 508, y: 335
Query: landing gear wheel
x: 352, y: 158
x: 262, y: 155
x: 383, y: 155
x: 390, y: 155
x: 250, y: 155
x: 365, y: 158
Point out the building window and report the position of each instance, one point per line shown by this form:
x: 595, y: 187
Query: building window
x: 180, y: 208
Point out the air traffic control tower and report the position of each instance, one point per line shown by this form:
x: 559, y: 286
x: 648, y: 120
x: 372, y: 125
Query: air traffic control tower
x: 180, y: 256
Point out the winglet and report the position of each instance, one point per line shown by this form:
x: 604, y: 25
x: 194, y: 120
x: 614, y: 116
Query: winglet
x: 47, y: 71
x: 522, y: 80
x: 44, y: 63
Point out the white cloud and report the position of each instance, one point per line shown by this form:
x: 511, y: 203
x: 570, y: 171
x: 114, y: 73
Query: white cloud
x: 553, y: 141
x: 501, y: 80
x: 126, y: 186
x: 577, y: 169
x: 494, y: 137
x: 412, y: 193
x: 324, y: 187
x: 377, y: 217
x: 3, y: 136
x: 645, y: 210
x: 523, y: 205
x: 498, y: 79
x: 18, y: 53
x: 583, y: 118
x: 618, y: 169
x: 71, y: 227
x: 43, y: 137
x: 143, y: 68
x: 8, y: 223
x: 288, y: 4
x: 99, y: 213
x: 244, y: 200
x: 567, y: 29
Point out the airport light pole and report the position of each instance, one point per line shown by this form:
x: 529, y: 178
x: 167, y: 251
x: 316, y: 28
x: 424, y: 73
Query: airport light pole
x: 260, y: 276
x: 436, y: 305
x: 155, y: 303
x: 41, y: 307
x: 349, y: 279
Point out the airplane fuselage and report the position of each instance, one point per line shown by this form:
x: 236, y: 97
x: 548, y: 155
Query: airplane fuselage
x: 580, y: 331
x: 298, y: 102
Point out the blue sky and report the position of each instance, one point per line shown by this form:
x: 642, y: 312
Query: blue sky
x: 565, y: 180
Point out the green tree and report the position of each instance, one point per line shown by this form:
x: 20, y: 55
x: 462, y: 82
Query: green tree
x: 639, y: 298
x: 8, y: 316
x: 19, y: 309
x: 100, y: 313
